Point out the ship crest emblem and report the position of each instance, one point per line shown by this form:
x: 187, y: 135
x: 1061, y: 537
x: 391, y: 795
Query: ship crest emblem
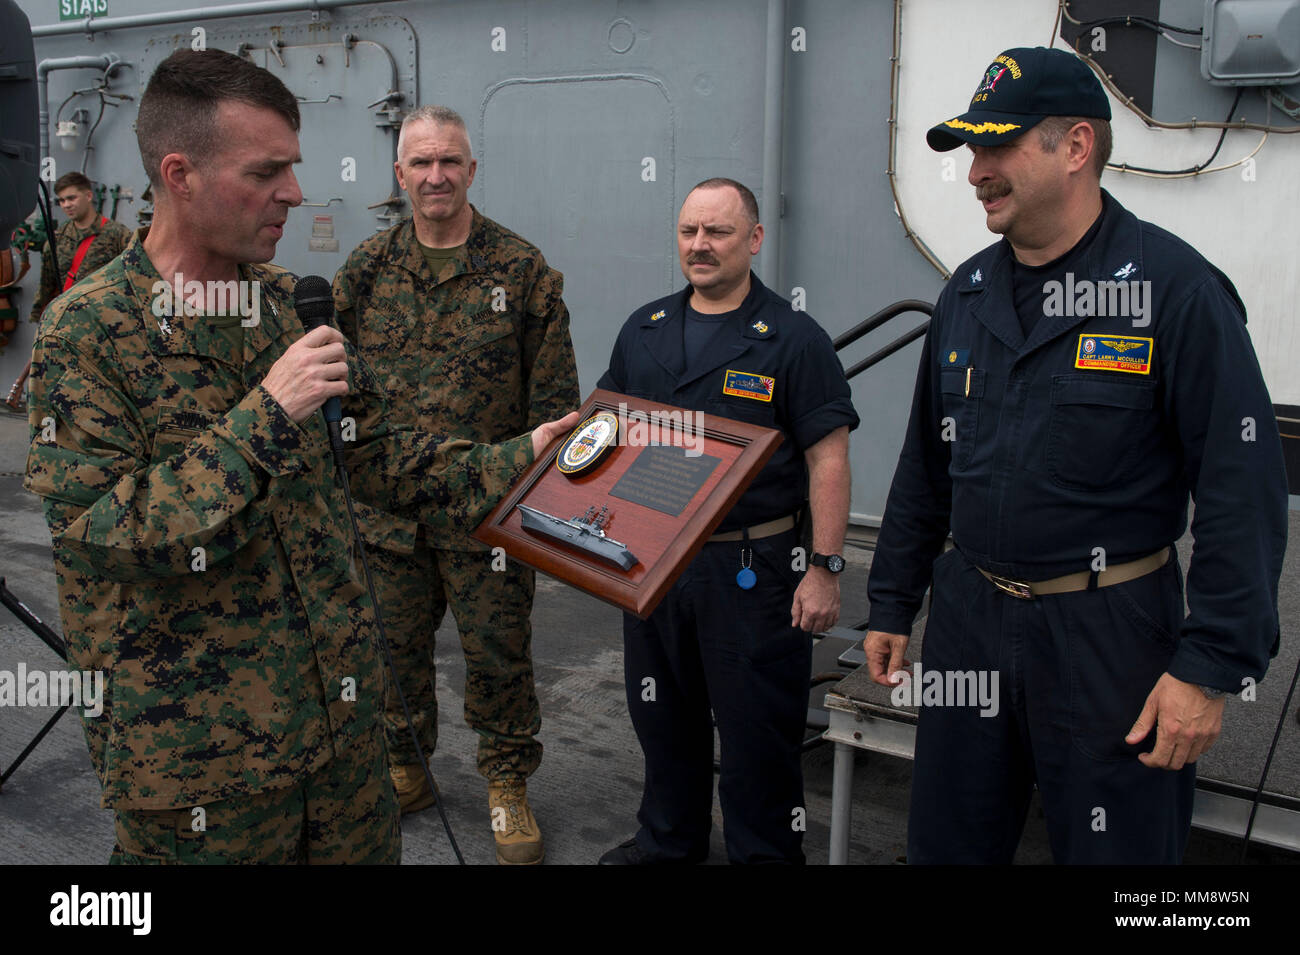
x: 991, y: 77
x: 588, y: 444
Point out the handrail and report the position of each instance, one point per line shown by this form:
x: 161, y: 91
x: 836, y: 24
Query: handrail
x: 875, y: 321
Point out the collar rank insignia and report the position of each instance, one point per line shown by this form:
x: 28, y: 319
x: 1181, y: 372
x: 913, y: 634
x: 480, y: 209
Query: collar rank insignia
x: 1124, y: 271
x: 587, y: 446
x: 759, y: 326
x: 163, y: 325
x: 976, y: 277
x: 658, y: 315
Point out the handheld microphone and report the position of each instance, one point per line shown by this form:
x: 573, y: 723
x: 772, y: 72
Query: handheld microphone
x: 313, y: 299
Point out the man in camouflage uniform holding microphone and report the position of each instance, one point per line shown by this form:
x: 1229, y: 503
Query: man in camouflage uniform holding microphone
x: 201, y: 544
x: 466, y: 322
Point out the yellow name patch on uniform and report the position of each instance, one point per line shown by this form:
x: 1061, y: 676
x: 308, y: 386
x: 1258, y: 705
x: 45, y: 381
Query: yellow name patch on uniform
x: 1115, y: 353
x: 745, y: 384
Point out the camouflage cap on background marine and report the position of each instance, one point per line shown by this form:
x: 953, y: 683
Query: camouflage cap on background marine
x: 1019, y: 89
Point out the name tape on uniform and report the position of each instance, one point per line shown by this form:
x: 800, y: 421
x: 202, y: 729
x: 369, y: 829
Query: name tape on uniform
x: 1114, y: 353
x: 745, y: 384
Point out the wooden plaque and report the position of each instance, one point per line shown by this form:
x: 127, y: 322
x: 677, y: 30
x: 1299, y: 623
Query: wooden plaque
x: 665, y: 487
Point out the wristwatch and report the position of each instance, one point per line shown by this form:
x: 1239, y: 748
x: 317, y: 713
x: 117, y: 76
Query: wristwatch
x: 832, y: 562
x: 1211, y: 693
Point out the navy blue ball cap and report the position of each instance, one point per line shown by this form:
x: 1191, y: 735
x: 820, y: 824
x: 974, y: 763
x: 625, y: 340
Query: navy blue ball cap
x: 1020, y: 89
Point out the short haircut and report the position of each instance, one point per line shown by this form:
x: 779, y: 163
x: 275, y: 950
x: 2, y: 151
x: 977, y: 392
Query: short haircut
x: 1052, y: 130
x: 179, y: 107
x: 441, y: 115
x: 72, y: 180
x: 747, y: 200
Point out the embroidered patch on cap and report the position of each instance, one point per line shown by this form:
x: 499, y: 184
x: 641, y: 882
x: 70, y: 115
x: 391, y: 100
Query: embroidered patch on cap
x: 1115, y: 353
x: 745, y: 384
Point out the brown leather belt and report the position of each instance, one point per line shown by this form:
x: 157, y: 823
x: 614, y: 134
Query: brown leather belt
x: 1071, y: 583
x: 758, y: 531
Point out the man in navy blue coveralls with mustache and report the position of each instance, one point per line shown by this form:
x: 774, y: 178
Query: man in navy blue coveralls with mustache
x: 1079, y: 379
x: 730, y: 639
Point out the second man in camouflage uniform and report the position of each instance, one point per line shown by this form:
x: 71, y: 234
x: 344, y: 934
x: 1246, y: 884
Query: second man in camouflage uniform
x: 107, y: 240
x: 465, y: 321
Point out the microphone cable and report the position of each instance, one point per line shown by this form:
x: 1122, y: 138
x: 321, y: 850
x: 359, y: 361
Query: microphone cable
x: 1268, y: 761
x: 314, y: 301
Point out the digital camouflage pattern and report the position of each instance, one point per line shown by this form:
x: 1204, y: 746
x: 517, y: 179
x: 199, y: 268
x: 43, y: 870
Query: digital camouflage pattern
x: 479, y: 350
x: 345, y: 812
x: 111, y: 239
x: 201, y: 543
x: 491, y: 610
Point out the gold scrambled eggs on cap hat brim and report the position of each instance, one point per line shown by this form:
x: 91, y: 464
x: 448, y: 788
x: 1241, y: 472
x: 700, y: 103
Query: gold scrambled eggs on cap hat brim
x: 1016, y: 92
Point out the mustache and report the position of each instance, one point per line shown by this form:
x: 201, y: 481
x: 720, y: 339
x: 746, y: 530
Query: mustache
x: 700, y: 258
x: 992, y: 190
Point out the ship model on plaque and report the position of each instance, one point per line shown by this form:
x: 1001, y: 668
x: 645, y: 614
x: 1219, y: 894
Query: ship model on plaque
x: 587, y: 533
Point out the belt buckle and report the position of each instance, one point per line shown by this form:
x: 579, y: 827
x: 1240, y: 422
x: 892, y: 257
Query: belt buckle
x: 1015, y: 588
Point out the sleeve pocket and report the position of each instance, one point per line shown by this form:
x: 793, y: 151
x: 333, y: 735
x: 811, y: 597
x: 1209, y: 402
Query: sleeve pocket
x: 62, y: 474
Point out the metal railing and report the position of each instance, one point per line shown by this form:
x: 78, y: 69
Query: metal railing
x: 869, y: 325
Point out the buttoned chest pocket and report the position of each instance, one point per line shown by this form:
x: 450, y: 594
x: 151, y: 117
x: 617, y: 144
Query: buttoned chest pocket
x: 1098, y: 430
x: 751, y: 410
x: 473, y: 374
x: 194, y: 379
x: 484, y: 347
x: 384, y: 329
x: 963, y: 393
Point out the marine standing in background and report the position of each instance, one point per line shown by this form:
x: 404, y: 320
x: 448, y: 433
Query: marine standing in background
x: 85, y: 243
x: 1060, y: 441
x: 466, y: 322
x: 202, y: 549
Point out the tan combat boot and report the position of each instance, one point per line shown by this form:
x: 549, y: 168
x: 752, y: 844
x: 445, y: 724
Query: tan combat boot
x: 413, y: 792
x: 518, y: 838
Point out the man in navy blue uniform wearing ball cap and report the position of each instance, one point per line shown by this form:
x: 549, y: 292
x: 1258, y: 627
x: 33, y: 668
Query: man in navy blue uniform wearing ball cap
x: 1080, y: 378
x: 731, y: 637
